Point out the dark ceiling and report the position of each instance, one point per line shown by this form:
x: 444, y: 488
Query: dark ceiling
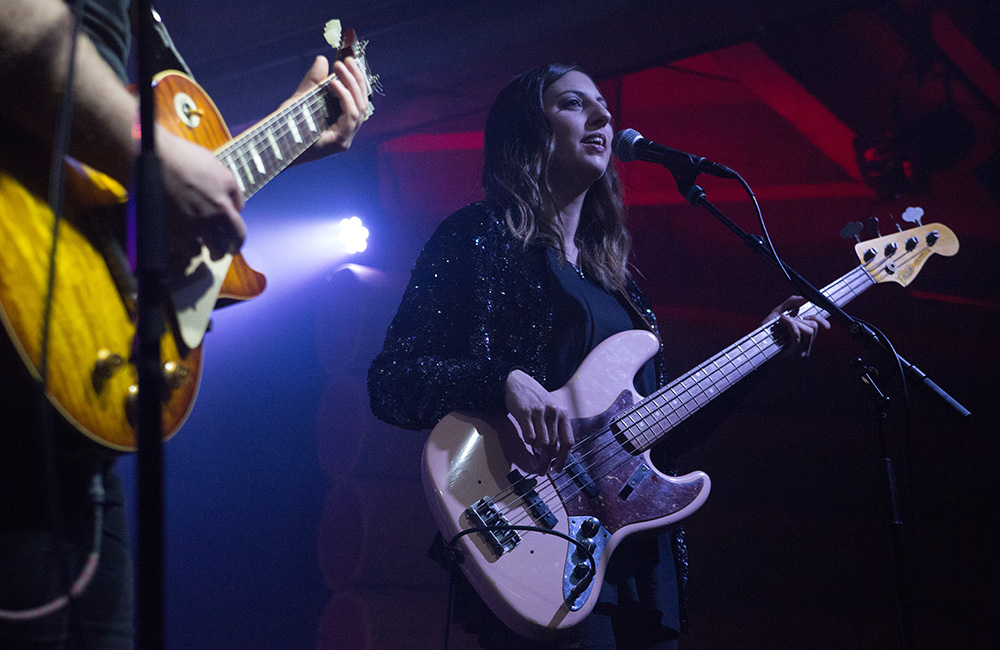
x: 778, y: 90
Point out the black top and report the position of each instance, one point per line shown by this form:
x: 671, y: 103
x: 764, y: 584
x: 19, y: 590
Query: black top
x: 107, y: 24
x: 585, y: 315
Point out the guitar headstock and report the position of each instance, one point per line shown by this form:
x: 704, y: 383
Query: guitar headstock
x: 900, y: 256
x: 348, y: 44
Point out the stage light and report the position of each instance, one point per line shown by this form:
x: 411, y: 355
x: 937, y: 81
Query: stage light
x: 353, y: 235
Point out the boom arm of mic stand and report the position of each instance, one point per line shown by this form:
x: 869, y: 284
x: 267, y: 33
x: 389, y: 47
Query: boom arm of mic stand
x: 858, y: 330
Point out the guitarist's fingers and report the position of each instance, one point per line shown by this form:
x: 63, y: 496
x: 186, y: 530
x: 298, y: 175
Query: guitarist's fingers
x: 353, y: 80
x: 319, y: 71
x: 527, y: 428
x: 542, y: 440
x: 203, y: 196
x: 350, y: 93
x: 564, y: 431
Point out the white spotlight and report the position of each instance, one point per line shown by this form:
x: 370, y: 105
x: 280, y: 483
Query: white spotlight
x: 353, y: 235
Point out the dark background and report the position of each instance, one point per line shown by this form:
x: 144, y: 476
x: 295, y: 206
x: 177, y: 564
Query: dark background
x: 296, y: 520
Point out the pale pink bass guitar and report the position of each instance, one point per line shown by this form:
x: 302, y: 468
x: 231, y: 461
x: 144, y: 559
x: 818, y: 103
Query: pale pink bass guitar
x: 542, y: 581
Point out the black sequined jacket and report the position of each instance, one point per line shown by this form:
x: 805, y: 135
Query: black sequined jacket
x: 477, y: 306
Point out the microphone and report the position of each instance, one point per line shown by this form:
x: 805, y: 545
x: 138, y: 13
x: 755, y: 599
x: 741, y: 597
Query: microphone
x: 628, y: 145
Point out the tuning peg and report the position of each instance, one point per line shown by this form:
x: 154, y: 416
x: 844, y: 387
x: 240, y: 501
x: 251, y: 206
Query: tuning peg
x: 913, y: 215
x: 871, y: 224
x: 851, y: 230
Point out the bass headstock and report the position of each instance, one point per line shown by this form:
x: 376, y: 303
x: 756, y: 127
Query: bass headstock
x: 898, y: 257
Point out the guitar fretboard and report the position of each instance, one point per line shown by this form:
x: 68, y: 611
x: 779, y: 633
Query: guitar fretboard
x: 640, y: 427
x: 259, y: 154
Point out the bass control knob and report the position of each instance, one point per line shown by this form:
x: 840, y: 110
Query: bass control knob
x: 590, y: 526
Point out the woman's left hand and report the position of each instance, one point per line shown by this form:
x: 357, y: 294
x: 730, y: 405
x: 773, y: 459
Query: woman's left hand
x: 801, y: 331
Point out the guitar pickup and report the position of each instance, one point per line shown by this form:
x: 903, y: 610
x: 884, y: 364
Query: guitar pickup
x: 633, y: 482
x: 499, y: 537
x: 525, y: 488
x: 581, y: 477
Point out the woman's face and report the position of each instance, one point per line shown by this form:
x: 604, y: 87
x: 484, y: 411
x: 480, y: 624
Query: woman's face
x: 581, y: 126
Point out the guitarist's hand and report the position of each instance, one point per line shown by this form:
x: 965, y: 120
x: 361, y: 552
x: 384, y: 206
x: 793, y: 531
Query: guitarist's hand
x: 203, y: 199
x: 801, y: 331
x: 545, y: 427
x: 350, y: 90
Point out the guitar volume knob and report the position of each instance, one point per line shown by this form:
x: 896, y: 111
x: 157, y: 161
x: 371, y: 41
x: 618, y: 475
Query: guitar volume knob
x: 175, y: 375
x: 106, y: 365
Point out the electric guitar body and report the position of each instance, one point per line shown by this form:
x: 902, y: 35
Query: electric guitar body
x: 81, y: 334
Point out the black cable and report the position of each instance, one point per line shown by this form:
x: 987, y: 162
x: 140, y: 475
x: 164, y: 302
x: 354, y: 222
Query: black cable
x: 763, y: 227
x: 87, y: 571
x: 456, y: 558
x: 56, y: 201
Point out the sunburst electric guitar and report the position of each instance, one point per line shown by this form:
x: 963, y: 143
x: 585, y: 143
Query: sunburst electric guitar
x: 481, y: 489
x: 91, y: 378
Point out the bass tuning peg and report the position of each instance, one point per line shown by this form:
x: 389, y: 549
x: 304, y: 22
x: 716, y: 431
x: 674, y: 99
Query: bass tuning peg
x: 852, y: 230
x: 913, y: 215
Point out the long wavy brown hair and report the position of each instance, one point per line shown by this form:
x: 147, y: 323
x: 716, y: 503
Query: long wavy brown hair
x: 517, y: 153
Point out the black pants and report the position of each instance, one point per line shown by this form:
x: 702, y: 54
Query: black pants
x: 617, y: 629
x: 31, y: 572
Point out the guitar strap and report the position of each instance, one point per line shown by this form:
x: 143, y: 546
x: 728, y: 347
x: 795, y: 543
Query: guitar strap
x: 638, y: 318
x: 165, y: 54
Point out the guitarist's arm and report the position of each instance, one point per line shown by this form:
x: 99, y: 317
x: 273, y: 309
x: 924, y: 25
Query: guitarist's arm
x: 34, y: 49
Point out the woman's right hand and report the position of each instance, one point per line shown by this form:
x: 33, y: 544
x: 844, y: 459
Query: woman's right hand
x: 545, y: 427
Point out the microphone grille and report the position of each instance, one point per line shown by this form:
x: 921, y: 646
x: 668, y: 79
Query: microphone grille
x: 623, y: 144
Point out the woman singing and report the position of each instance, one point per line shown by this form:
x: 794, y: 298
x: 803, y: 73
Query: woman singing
x: 506, y: 300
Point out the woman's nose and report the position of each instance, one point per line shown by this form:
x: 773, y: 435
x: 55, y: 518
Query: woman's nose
x: 599, y: 115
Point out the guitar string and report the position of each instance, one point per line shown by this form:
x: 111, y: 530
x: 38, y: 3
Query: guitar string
x: 279, y: 118
x: 239, y: 151
x: 258, y: 135
x: 712, y: 377
x: 837, y: 291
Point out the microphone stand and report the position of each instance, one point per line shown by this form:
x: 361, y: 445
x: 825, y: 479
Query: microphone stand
x: 151, y: 254
x: 695, y: 195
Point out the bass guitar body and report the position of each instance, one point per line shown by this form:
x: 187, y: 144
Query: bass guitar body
x: 539, y: 583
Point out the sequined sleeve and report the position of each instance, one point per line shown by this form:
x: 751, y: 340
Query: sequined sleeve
x: 438, y: 354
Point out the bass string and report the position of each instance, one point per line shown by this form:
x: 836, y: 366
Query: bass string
x: 841, y: 291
